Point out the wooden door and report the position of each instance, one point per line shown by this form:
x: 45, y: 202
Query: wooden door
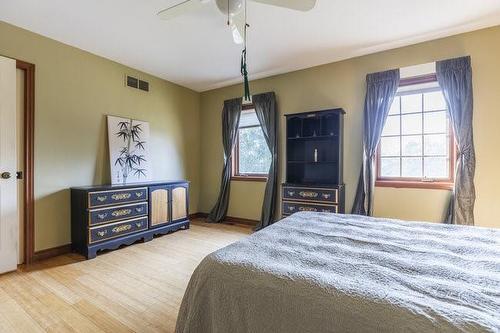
x: 159, y: 198
x: 179, y: 202
x: 9, y: 227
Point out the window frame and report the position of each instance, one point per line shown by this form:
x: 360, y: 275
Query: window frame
x: 235, y: 164
x: 412, y: 182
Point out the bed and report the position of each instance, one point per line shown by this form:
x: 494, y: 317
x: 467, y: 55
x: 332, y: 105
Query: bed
x: 322, y: 272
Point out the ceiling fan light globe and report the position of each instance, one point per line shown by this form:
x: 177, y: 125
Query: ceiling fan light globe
x: 232, y: 7
x: 237, y: 37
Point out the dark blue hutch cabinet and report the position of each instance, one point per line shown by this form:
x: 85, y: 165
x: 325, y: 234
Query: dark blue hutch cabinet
x: 314, y: 162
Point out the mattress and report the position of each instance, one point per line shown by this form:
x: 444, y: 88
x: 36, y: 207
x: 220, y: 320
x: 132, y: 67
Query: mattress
x: 323, y: 272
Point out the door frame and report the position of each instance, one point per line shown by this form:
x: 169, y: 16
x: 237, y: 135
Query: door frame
x: 29, y: 154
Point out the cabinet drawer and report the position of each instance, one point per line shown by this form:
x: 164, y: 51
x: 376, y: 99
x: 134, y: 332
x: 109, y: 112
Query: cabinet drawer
x: 113, y: 197
x: 290, y: 207
x: 311, y: 194
x: 117, y: 213
x: 113, y: 230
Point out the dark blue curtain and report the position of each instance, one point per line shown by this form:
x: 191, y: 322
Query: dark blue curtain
x: 380, y: 90
x: 455, y: 78
x: 230, y: 123
x: 267, y: 113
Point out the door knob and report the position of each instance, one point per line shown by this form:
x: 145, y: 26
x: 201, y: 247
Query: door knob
x: 5, y: 175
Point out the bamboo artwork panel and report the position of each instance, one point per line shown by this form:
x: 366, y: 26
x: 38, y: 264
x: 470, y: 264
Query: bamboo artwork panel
x: 128, y: 150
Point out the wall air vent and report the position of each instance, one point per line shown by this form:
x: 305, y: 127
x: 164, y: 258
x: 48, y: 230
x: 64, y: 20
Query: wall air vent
x: 143, y: 85
x: 135, y: 83
x: 132, y: 82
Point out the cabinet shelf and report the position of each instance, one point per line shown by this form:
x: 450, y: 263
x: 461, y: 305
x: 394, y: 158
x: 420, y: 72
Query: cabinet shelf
x: 316, y: 137
x: 312, y: 162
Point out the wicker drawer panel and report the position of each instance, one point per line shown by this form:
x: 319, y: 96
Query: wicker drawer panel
x: 117, y: 213
x: 291, y: 207
x: 114, y: 197
x: 113, y: 230
x: 311, y: 194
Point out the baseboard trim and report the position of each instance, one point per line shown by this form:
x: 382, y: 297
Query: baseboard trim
x: 198, y: 216
x: 239, y: 220
x: 228, y: 219
x: 52, y: 252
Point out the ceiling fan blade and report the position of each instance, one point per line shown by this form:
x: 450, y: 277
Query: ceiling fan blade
x: 180, y: 9
x: 302, y: 5
x: 238, y: 27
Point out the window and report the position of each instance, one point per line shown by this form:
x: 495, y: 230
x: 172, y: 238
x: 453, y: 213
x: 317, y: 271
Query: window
x: 251, y: 156
x: 417, y: 146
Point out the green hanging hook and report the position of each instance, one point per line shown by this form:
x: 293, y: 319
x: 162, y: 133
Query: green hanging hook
x: 244, y: 72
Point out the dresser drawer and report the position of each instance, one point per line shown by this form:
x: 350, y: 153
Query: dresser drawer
x: 311, y: 194
x: 117, y: 213
x: 290, y: 207
x: 113, y: 230
x: 114, y: 197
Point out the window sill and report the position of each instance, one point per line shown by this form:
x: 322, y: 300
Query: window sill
x: 243, y: 178
x: 415, y: 184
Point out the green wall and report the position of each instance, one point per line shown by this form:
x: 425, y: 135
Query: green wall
x: 342, y: 84
x: 74, y: 91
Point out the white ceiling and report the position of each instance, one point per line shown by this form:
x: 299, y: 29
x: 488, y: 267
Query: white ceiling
x: 197, y: 51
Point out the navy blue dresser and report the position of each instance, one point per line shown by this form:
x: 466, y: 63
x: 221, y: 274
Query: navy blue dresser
x: 107, y: 216
x: 300, y: 198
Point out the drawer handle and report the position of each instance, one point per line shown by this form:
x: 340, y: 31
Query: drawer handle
x: 102, y: 216
x: 291, y: 208
x: 139, y: 194
x: 121, y: 212
x: 121, y: 196
x: 308, y: 194
x: 139, y: 209
x: 326, y: 211
x: 102, y: 198
x: 121, y: 228
x: 291, y: 193
x: 138, y: 225
x: 308, y: 209
x: 102, y: 233
x: 326, y: 196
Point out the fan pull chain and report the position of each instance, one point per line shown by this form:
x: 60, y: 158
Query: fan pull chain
x: 244, y: 71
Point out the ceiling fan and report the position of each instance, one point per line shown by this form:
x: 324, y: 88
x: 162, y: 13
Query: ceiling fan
x: 234, y: 10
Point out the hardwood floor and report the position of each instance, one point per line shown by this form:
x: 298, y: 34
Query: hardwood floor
x: 136, y: 289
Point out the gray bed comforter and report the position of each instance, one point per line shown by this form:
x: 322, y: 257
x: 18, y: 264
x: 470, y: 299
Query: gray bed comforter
x: 320, y: 272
